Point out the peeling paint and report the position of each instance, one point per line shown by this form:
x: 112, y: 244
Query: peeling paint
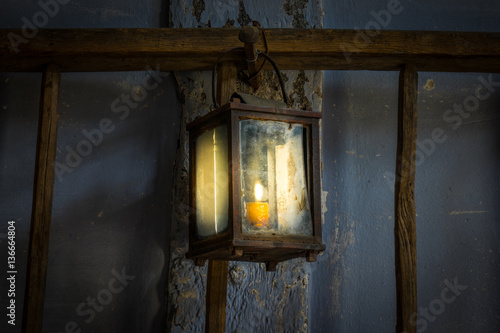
x: 429, y: 85
x: 324, y: 208
x: 296, y: 8
x: 299, y: 92
x: 243, y: 18
x: 198, y: 9
x: 238, y: 274
x: 271, y: 14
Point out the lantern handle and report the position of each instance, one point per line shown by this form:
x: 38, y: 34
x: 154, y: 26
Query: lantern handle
x: 265, y: 55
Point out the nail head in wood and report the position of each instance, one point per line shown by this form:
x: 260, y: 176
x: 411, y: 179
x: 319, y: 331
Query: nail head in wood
x: 249, y: 34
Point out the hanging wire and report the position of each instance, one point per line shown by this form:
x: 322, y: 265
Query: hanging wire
x: 265, y: 55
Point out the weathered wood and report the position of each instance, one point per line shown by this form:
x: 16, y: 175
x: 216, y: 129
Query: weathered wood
x: 405, y: 231
x: 216, y: 296
x: 42, y: 202
x: 94, y: 50
x: 226, y: 82
x: 215, y: 319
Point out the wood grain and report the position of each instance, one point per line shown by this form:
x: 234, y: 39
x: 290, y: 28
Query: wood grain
x: 94, y: 50
x: 42, y: 202
x: 215, y: 319
x: 226, y: 82
x: 405, y: 231
x: 216, y: 296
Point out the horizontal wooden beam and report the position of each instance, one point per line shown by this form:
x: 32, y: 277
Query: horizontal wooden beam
x: 97, y: 50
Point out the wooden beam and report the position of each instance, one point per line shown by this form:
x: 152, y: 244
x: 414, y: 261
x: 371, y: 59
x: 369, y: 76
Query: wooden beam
x: 42, y: 202
x: 95, y: 50
x: 405, y: 231
x: 215, y: 318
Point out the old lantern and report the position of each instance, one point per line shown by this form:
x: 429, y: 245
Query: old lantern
x: 255, y: 183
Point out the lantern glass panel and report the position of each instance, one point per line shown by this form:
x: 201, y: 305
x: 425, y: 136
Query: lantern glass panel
x: 212, y: 186
x: 274, y: 178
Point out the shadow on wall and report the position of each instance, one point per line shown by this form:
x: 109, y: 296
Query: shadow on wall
x: 110, y: 232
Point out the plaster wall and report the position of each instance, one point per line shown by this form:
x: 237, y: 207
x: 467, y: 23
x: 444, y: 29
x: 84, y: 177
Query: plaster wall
x: 457, y: 183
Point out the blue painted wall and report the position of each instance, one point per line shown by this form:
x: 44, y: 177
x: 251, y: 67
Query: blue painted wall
x: 457, y: 184
x: 109, y: 254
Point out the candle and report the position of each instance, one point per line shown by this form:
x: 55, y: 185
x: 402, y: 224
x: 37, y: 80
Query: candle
x: 258, y: 212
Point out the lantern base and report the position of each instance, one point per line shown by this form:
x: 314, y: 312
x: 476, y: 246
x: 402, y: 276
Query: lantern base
x: 257, y: 251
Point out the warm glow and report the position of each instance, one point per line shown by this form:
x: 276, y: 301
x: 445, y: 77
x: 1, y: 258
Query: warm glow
x: 259, y: 189
x: 258, y: 214
x: 212, y: 192
x: 215, y: 185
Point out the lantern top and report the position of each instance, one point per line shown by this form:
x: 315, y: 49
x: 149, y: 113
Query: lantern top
x: 238, y: 106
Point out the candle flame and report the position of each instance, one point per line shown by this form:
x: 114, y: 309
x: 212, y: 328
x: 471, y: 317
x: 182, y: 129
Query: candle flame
x: 259, y: 189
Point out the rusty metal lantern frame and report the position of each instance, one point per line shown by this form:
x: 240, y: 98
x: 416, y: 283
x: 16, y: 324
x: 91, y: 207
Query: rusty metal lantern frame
x: 234, y: 244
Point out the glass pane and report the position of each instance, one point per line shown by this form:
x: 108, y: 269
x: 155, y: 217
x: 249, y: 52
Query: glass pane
x: 274, y: 191
x: 212, y: 191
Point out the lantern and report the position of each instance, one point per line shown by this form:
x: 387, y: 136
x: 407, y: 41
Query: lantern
x: 255, y: 183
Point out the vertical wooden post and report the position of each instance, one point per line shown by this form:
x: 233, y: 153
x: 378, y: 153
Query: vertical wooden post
x: 405, y: 231
x: 42, y: 202
x: 215, y: 318
x: 226, y: 82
